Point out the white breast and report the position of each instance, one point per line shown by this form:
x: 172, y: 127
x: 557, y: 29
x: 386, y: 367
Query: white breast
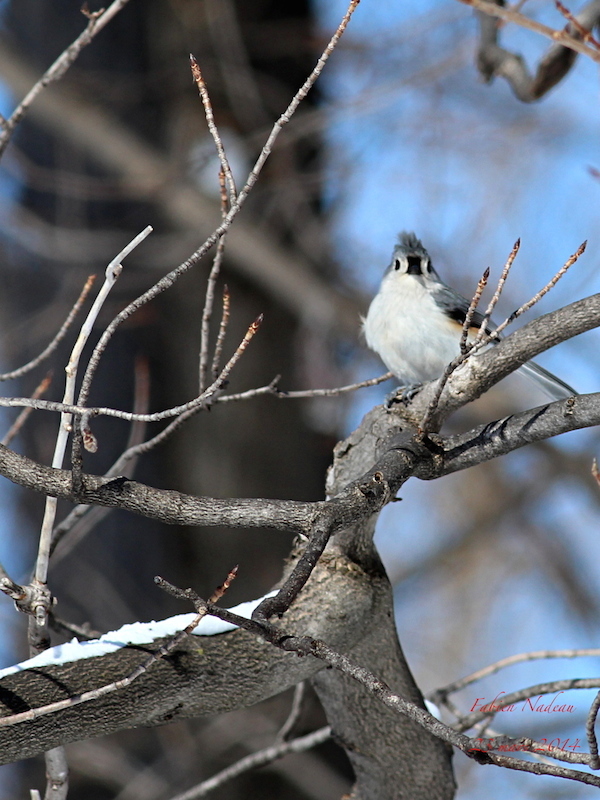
x: 413, y: 338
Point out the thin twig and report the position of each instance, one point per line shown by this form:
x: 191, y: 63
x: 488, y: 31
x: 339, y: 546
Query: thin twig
x: 96, y: 23
x: 41, y: 598
x: 208, y: 396
x: 255, y: 760
x: 465, y: 351
x: 212, y: 280
x: 112, y: 273
x: 352, y: 387
x: 484, y: 328
x: 17, y: 373
x: 212, y: 127
x: 169, y: 279
x: 294, y: 715
x: 466, y: 328
x: 537, y: 297
x: 14, y: 429
x: 440, y: 694
x: 585, y: 34
x: 222, y: 331
x: 541, y: 769
x: 94, y: 514
x: 207, y: 313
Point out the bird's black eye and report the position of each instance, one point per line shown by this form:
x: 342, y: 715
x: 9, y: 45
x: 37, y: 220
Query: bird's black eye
x: 397, y: 263
x: 429, y: 266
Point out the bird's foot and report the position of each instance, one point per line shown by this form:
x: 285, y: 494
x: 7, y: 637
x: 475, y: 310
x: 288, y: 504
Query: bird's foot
x: 404, y: 394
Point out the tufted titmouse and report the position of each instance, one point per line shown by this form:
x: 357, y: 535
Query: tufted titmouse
x: 415, y: 322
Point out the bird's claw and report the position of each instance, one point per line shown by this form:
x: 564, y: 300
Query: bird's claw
x: 404, y: 394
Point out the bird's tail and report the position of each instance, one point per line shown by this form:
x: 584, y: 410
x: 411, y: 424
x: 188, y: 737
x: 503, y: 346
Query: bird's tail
x: 549, y: 383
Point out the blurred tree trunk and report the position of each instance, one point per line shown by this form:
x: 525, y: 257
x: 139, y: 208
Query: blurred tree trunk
x: 253, y: 58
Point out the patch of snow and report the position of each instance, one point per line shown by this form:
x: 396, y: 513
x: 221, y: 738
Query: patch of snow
x: 134, y: 633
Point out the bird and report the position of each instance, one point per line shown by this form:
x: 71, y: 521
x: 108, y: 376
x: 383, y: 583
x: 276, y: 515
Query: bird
x: 415, y: 322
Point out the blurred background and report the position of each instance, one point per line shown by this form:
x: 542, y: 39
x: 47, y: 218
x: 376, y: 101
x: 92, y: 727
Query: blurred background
x: 399, y: 134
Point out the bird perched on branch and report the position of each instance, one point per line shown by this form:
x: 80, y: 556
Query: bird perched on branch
x: 415, y: 322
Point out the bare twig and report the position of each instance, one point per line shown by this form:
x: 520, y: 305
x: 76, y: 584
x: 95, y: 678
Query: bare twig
x: 212, y: 127
x: 539, y: 769
x: 352, y: 387
x: 483, y: 334
x: 481, y: 284
x: 296, y: 580
x: 24, y: 415
x: 94, y: 514
x: 225, y: 181
x: 499, y: 287
x: 439, y: 695
x: 585, y: 34
x: 222, y: 589
x: 208, y: 396
x: 255, y: 760
x: 222, y: 331
x: 96, y: 23
x: 294, y: 715
x: 111, y: 275
x: 207, y: 313
x: 17, y: 373
x: 538, y: 296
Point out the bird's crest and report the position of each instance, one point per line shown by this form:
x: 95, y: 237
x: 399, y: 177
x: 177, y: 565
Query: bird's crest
x: 409, y: 241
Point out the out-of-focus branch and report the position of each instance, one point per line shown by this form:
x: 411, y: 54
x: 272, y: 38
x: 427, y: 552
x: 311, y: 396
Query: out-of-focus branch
x: 49, y: 349
x: 255, y: 760
x: 148, y: 175
x: 96, y: 22
x: 493, y: 59
x: 439, y: 695
x: 14, y: 429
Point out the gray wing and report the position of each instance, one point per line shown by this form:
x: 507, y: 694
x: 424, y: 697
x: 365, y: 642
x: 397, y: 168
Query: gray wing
x: 456, y: 306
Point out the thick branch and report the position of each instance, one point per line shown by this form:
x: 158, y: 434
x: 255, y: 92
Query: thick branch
x: 505, y: 435
x: 173, y: 508
x: 204, y: 675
